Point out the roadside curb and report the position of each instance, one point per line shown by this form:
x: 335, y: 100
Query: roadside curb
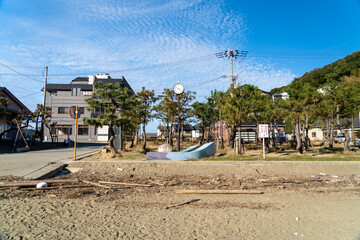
x: 46, y: 172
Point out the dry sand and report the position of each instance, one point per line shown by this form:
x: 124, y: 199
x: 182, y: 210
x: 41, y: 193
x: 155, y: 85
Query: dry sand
x: 296, y: 206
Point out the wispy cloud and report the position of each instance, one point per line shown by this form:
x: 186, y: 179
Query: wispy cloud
x: 108, y: 36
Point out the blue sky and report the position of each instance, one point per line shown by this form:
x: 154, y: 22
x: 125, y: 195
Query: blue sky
x: 74, y: 38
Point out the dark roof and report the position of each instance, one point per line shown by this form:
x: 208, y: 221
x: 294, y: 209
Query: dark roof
x: 14, y: 98
x: 163, y: 128
x: 186, y: 127
x: 80, y: 79
x: 86, y: 87
x: 68, y: 87
x: 344, y: 122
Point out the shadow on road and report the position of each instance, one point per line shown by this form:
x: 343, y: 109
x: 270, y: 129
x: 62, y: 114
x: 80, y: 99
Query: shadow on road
x: 7, y: 148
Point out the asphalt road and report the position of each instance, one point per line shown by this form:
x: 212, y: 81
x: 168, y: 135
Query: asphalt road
x: 22, y: 164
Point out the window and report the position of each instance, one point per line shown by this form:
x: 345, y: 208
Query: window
x: 62, y: 110
x: 3, y: 127
x: 313, y: 134
x: 75, y: 91
x: 98, y: 112
x: 81, y: 110
x: 83, y: 130
x: 86, y: 93
x: 63, y: 129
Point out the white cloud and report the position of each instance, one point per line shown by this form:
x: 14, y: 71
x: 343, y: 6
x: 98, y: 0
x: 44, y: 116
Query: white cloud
x: 109, y: 36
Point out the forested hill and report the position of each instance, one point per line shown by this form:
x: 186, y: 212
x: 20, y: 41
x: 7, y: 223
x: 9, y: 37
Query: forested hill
x: 347, y: 66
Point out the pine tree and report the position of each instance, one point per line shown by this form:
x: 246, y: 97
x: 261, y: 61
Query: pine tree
x: 116, y: 102
x: 146, y: 99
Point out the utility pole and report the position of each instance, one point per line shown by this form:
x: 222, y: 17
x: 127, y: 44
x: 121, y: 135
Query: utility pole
x: 42, y: 135
x: 233, y: 55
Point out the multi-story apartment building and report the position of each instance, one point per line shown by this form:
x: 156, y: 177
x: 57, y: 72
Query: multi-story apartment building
x: 62, y: 96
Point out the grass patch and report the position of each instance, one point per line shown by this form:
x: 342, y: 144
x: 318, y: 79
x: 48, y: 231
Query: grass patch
x: 133, y: 156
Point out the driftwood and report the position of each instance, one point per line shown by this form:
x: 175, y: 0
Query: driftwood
x: 33, y: 183
x: 128, y: 184
x: 218, y: 192
x: 157, y: 183
x: 56, y: 187
x: 96, y: 184
x: 184, y: 203
x: 265, y: 185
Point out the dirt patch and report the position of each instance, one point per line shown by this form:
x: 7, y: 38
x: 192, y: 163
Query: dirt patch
x: 305, y: 204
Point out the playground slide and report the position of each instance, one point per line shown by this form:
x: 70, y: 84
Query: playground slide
x: 193, y: 152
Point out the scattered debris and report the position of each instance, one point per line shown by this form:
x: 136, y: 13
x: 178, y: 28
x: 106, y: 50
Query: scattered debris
x: 56, y: 187
x: 129, y: 184
x: 41, y: 185
x: 181, y: 204
x: 96, y: 184
x: 120, y: 169
x: 297, y: 219
x: 157, y: 183
x: 323, y: 174
x: 218, y: 192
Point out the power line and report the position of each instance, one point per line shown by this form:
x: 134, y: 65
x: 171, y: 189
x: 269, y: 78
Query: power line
x: 34, y: 93
x: 20, y: 73
x: 206, y: 82
x: 261, y: 54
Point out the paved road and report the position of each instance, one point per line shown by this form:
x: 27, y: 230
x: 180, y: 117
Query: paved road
x: 22, y: 164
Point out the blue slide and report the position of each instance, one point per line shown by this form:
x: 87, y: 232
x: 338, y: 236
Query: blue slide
x: 193, y: 152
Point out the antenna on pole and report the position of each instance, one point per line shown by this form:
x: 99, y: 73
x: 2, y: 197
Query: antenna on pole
x: 232, y: 54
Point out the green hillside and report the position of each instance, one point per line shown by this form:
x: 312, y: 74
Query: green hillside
x: 348, y: 66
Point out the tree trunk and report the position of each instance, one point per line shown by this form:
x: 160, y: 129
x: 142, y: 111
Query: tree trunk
x: 167, y: 133
x: 111, y: 140
x: 273, y: 136
x: 132, y: 139
x: 303, y: 138
x: 352, y: 131
x: 209, y: 134
x: 137, y: 136
x: 144, y: 133
x: 331, y: 137
x: 346, y: 134
x: 239, y: 151
x: 299, y: 146
x: 257, y: 139
x: 232, y: 136
x: 171, y: 136
x: 347, y: 138
x: 202, y: 133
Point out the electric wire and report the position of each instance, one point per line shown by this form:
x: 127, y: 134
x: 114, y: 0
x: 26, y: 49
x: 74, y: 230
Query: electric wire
x: 19, y: 73
x: 259, y: 54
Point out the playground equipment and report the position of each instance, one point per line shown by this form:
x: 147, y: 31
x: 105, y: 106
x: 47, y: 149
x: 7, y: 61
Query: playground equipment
x: 193, y: 152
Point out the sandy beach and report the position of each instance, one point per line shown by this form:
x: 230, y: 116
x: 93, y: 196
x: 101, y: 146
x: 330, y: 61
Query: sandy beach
x: 296, y: 203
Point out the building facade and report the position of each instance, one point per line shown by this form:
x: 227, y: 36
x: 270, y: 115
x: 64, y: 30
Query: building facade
x: 9, y: 112
x: 62, y: 96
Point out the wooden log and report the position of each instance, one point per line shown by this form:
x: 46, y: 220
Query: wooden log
x: 266, y: 185
x: 218, y: 192
x: 127, y: 184
x: 157, y: 183
x: 45, y: 180
x: 32, y: 183
x: 57, y: 187
x: 96, y: 184
x: 184, y: 203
